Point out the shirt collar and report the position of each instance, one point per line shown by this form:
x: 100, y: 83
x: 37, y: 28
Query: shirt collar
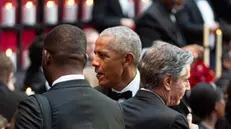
x: 154, y: 94
x: 133, y: 86
x: 68, y: 78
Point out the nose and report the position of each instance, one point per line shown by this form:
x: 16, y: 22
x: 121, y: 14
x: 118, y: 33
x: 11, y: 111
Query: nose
x: 95, y: 61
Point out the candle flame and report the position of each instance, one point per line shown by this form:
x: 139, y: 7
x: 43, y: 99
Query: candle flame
x: 28, y: 90
x: 144, y: 1
x: 9, y: 52
x: 8, y: 5
x: 70, y: 2
x: 218, y: 32
x: 29, y: 4
x: 50, y: 4
x: 89, y: 2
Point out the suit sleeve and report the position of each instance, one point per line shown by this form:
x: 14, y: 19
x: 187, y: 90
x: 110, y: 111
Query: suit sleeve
x: 180, y: 122
x: 100, y: 16
x: 186, y: 25
x: 28, y: 115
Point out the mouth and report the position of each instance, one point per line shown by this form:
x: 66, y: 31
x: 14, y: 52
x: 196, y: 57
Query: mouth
x: 99, y: 74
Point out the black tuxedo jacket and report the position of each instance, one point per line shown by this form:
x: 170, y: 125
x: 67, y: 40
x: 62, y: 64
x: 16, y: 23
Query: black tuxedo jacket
x: 74, y: 105
x: 155, y: 24
x: 107, y: 13
x: 9, y: 101
x: 191, y: 23
x: 147, y: 111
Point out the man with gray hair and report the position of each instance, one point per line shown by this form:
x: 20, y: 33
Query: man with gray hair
x: 164, y: 70
x: 117, y: 54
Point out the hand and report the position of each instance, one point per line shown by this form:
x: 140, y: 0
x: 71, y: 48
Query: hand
x: 195, y: 49
x: 191, y: 125
x: 127, y: 22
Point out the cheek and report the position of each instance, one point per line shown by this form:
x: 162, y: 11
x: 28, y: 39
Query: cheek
x: 179, y: 90
x: 113, y: 69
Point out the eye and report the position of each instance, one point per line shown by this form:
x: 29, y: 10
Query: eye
x: 101, y: 55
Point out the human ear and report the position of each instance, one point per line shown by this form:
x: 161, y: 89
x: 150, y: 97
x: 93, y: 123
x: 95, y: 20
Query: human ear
x: 167, y: 80
x: 128, y: 59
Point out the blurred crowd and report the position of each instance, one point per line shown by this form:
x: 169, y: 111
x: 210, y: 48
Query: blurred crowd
x: 125, y: 71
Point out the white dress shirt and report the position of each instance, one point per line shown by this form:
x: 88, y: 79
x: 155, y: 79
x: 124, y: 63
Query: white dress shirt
x: 133, y: 86
x: 128, y: 7
x: 208, y: 17
x: 67, y: 78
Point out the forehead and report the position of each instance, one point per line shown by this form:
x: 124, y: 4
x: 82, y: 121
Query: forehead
x: 105, y: 42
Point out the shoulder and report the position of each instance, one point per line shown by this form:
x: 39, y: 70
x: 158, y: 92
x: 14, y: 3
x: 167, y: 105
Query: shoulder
x: 28, y: 114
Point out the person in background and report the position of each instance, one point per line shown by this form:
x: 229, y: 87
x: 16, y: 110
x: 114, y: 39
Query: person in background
x: 225, y: 78
x: 228, y: 102
x: 89, y: 71
x: 164, y: 71
x: 9, y: 99
x: 159, y: 23
x: 208, y: 105
x: 110, y: 13
x: 73, y: 103
x: 34, y: 77
x: 194, y: 15
x: 117, y: 53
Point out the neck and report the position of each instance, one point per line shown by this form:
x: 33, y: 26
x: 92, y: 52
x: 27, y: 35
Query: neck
x: 210, y: 122
x: 162, y: 94
x: 126, y: 78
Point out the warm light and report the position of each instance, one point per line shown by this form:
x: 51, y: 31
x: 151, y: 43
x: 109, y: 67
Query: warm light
x: 29, y: 91
x: 8, y: 5
x: 29, y: 4
x: 70, y: 2
x: 50, y: 4
x: 218, y: 32
x: 9, y: 52
x: 144, y: 1
x: 89, y: 2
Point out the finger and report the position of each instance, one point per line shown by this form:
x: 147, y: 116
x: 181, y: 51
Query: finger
x: 189, y: 118
x: 194, y: 126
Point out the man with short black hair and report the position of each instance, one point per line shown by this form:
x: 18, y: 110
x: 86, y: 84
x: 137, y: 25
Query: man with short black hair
x: 73, y: 103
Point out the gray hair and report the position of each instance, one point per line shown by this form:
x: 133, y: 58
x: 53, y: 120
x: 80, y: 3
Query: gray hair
x: 128, y: 41
x: 160, y: 60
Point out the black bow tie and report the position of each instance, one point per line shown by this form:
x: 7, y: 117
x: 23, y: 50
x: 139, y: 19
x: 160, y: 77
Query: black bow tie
x: 117, y: 96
